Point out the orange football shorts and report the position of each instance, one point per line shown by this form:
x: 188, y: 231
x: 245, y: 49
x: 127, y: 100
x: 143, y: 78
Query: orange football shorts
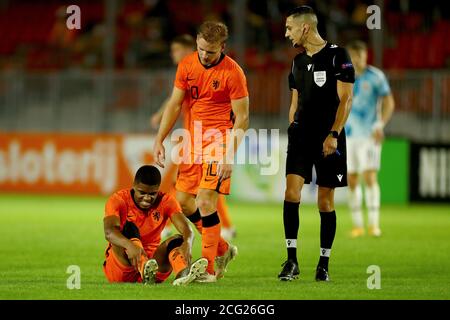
x: 192, y: 177
x: 115, y: 271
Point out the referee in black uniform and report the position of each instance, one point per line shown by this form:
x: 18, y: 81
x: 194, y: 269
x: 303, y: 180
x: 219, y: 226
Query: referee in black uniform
x: 321, y: 81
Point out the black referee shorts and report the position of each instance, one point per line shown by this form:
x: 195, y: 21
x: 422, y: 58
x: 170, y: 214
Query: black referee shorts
x: 305, y: 151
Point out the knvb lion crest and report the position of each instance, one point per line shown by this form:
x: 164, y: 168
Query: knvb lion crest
x: 156, y: 215
x: 216, y: 84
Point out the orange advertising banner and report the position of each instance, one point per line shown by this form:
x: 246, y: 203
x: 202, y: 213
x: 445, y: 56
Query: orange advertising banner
x: 71, y: 163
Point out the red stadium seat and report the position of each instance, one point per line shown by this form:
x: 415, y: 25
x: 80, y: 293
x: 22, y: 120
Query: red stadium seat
x: 417, y: 53
x: 412, y: 22
x: 392, y: 58
x: 393, y: 20
x: 436, y: 52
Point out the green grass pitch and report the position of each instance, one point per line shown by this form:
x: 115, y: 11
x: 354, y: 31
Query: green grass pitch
x: 42, y: 235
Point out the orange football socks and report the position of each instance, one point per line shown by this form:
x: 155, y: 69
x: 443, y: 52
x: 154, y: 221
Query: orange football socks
x: 196, y: 219
x: 177, y: 260
x: 210, y: 239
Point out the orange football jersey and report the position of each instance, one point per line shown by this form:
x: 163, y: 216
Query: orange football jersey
x: 150, y: 223
x: 211, y: 90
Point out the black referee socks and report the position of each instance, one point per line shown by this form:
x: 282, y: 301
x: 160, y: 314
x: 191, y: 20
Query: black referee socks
x: 291, y: 225
x: 327, y: 233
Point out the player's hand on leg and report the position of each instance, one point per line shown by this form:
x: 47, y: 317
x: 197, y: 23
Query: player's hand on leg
x: 134, y: 254
x: 329, y: 146
x: 185, y: 250
x: 224, y: 170
x: 159, y: 153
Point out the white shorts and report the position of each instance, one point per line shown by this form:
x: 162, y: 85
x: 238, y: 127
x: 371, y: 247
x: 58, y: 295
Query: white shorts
x: 363, y: 154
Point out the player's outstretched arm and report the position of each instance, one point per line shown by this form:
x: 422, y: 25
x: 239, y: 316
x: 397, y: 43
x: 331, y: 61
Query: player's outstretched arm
x: 240, y: 109
x: 181, y: 223
x: 345, y: 94
x: 293, y: 107
x: 170, y: 115
x: 111, y: 226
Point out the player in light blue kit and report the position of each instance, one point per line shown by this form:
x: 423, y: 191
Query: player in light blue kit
x: 372, y: 108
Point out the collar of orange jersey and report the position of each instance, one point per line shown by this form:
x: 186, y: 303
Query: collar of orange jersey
x: 222, y: 55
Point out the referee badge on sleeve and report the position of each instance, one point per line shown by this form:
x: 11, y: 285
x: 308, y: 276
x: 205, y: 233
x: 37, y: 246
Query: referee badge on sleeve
x: 320, y: 77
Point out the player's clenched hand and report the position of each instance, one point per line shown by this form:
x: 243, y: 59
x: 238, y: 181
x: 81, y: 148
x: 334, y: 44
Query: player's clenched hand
x: 134, y: 254
x: 224, y: 170
x: 159, y: 153
x: 329, y: 146
x: 378, y: 135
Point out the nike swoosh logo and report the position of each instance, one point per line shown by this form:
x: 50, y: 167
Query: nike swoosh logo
x: 189, y: 79
x: 206, y: 247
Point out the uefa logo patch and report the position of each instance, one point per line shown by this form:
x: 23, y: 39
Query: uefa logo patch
x: 320, y: 77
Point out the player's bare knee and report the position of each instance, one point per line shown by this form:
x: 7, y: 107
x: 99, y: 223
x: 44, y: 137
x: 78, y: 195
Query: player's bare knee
x: 186, y: 208
x: 187, y: 202
x: 370, y: 179
x: 292, y: 195
x: 205, y: 205
x: 206, y: 201
x: 352, y: 181
x: 325, y: 205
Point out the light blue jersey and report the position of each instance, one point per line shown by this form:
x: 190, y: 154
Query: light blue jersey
x: 369, y: 87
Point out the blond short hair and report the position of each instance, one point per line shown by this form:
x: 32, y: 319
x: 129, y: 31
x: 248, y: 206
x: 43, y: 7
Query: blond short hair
x: 356, y: 45
x: 213, y: 32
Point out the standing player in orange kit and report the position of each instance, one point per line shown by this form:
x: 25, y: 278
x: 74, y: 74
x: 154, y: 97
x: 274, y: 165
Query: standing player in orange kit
x: 218, y: 100
x: 180, y: 47
x: 134, y: 219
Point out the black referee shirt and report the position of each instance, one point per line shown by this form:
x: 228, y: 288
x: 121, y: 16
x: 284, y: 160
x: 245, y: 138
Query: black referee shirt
x: 315, y: 79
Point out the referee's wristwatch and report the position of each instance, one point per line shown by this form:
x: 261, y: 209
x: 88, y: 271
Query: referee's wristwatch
x: 334, y: 134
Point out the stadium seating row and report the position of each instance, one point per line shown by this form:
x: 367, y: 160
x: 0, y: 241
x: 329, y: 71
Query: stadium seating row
x: 30, y: 25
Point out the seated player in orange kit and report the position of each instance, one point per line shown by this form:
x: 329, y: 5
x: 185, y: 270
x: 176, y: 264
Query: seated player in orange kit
x: 134, y: 219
